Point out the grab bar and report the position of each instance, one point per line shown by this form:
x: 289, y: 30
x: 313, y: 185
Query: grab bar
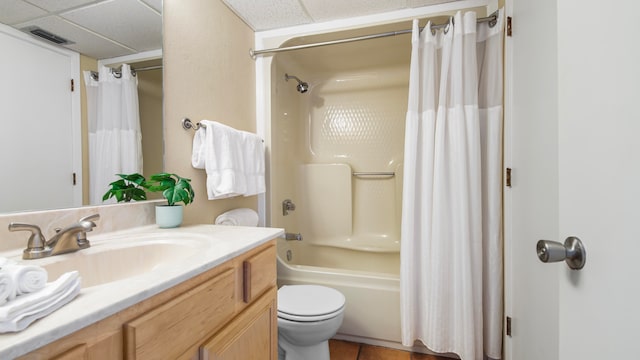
x: 374, y: 174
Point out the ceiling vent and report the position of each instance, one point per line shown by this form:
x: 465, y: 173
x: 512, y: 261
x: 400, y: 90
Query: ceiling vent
x: 44, y: 34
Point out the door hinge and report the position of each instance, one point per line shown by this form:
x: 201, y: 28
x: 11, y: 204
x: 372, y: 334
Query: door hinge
x: 73, y: 87
x: 509, y: 32
x: 74, y: 179
x: 508, y: 177
x: 508, y: 326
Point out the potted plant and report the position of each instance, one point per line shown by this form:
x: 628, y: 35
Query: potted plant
x: 176, y: 190
x: 129, y: 187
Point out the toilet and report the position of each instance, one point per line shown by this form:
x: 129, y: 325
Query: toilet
x: 308, y: 316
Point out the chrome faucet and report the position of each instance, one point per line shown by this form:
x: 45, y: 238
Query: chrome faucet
x: 293, y: 236
x: 70, y: 239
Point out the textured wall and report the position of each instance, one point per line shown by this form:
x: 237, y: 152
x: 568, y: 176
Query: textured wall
x: 208, y: 74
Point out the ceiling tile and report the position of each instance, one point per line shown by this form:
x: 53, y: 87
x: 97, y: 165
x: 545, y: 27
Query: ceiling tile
x: 16, y: 11
x: 59, y: 5
x: 126, y: 21
x: 156, y: 4
x: 419, y: 3
x: 339, y: 9
x: 85, y: 42
x: 269, y: 14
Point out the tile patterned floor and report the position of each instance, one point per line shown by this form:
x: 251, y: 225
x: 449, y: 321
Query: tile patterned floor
x: 344, y: 350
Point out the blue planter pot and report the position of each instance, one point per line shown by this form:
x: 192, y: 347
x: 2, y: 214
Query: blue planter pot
x: 169, y: 216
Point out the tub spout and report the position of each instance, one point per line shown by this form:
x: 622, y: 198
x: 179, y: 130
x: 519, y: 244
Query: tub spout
x: 292, y: 236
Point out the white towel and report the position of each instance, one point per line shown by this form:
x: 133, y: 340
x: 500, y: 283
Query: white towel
x: 217, y: 149
x: 253, y: 158
x: 7, y: 282
x: 6, y: 261
x: 21, y: 312
x: 7, y: 287
x: 238, y: 217
x: 27, y: 278
x: 233, y: 160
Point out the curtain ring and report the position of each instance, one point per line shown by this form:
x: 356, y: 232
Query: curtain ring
x: 116, y: 73
x: 449, y: 24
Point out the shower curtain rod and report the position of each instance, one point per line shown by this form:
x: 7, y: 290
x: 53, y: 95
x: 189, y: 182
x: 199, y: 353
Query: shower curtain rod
x: 491, y: 19
x: 118, y: 73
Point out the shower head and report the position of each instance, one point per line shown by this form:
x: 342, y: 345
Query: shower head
x: 302, y: 86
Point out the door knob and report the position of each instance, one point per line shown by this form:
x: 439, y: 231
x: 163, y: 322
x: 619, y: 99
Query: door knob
x: 572, y: 252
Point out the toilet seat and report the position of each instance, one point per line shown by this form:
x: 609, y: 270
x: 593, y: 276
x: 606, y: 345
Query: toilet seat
x: 307, y: 303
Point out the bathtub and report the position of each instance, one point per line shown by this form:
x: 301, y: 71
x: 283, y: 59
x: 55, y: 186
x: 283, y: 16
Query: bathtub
x: 372, y: 310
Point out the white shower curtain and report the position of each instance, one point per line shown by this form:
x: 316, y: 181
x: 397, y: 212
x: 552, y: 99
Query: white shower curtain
x: 115, y: 140
x: 451, y: 247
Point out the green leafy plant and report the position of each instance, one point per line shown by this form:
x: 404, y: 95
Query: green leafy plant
x: 173, y: 187
x: 129, y: 187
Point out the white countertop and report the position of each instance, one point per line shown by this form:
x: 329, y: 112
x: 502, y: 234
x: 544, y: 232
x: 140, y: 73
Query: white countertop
x: 219, y: 244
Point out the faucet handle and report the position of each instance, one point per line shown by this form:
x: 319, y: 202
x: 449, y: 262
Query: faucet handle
x: 88, y: 224
x: 90, y: 218
x: 36, y: 246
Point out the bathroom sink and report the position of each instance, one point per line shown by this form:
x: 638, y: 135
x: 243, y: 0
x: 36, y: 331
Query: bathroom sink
x: 118, y: 259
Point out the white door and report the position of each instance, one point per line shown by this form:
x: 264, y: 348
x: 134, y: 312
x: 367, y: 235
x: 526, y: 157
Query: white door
x: 39, y: 124
x: 599, y: 152
x: 574, y: 145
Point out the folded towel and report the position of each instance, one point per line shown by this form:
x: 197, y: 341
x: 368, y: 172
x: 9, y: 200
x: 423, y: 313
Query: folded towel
x: 238, y: 217
x: 233, y: 160
x: 27, y: 278
x: 21, y: 312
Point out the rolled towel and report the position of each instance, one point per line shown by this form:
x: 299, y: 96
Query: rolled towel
x: 238, y: 217
x: 7, y: 287
x: 28, y: 278
x: 20, y: 313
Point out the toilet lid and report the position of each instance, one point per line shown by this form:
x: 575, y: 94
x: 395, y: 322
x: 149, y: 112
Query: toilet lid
x: 302, y: 301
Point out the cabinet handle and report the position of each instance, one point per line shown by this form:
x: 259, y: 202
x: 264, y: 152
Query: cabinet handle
x: 246, y: 281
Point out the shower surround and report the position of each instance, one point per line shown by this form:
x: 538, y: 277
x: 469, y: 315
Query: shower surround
x: 336, y: 151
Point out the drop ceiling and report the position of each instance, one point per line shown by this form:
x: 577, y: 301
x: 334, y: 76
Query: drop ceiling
x: 98, y: 29
x: 273, y: 14
x: 112, y: 28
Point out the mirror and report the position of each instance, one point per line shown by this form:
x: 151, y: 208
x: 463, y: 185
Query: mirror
x: 112, y: 32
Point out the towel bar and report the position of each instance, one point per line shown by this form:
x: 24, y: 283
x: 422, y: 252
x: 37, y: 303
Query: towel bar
x: 188, y: 124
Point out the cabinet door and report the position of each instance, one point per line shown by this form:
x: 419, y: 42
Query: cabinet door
x: 84, y: 345
x: 79, y: 352
x: 251, y: 335
x: 259, y: 274
x: 170, y: 329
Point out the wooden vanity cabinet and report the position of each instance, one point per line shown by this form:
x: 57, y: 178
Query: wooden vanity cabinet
x: 228, y: 312
x: 249, y: 336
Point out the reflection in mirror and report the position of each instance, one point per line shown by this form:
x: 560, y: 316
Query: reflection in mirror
x: 43, y: 127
